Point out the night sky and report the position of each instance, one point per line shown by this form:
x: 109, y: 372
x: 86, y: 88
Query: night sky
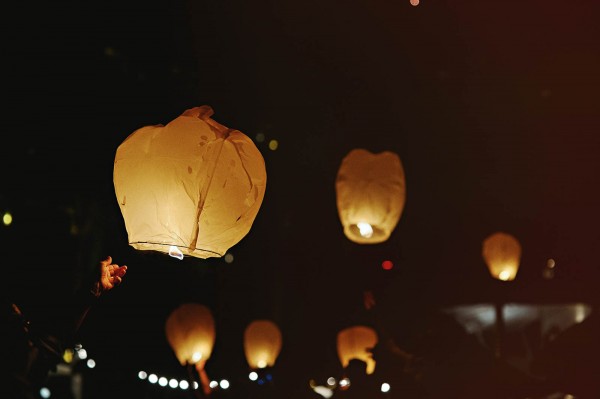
x: 493, y: 107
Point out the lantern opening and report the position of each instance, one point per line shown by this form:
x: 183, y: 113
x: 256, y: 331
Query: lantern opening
x: 175, y: 252
x: 363, y: 230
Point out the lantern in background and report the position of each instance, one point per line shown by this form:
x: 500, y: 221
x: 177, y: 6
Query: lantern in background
x: 192, y: 187
x: 354, y: 343
x: 262, y: 343
x: 371, y: 193
x: 190, y: 330
x: 502, y: 253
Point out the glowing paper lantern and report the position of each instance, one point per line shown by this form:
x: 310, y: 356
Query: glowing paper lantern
x: 371, y: 193
x: 354, y: 343
x: 192, y: 187
x: 262, y: 343
x: 190, y: 330
x: 502, y: 253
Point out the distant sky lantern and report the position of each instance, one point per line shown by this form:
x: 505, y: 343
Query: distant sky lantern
x: 371, y: 193
x: 262, y: 343
x: 192, y: 187
x: 354, y: 343
x: 502, y: 253
x: 190, y: 331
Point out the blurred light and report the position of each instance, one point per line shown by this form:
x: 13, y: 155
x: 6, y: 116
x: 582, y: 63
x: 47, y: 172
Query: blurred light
x: 213, y: 384
x: 260, y: 137
x: 7, y: 218
x: 261, y: 382
x: 228, y: 258
x: 91, y: 363
x: 569, y: 396
x: 196, y: 357
x: 324, y: 391
x: 68, y: 355
x: 273, y: 144
x: 385, y: 387
x: 253, y: 376
x: 152, y: 378
x: 414, y: 2
x: 142, y: 375
x: 183, y: 384
x: 195, y: 385
x: 269, y: 377
x: 580, y: 313
x: 262, y: 364
x: 78, y: 347
x: 344, y: 382
x: 504, y: 275
x: 173, y: 383
x: 82, y: 354
x: 45, y: 393
x: 224, y: 384
x: 162, y: 381
x: 387, y: 265
x: 551, y: 263
x: 365, y: 229
x: 331, y: 381
x: 109, y: 52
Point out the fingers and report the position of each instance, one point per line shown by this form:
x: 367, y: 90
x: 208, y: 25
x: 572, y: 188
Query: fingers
x: 107, y: 261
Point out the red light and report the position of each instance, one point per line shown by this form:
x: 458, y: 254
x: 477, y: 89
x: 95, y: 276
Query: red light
x: 387, y: 265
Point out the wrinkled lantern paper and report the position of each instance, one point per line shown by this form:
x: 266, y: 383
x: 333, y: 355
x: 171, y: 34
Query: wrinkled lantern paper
x: 192, y: 187
x: 262, y: 344
x: 190, y: 331
x: 371, y: 193
x: 502, y: 253
x: 355, y: 343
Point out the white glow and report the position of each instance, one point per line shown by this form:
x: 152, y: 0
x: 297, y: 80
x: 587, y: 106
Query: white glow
x: 196, y: 385
x: 365, y: 229
x: 82, y: 354
x: 253, y: 376
x: 162, y: 381
x: 323, y: 391
x: 385, y: 387
x: 344, y: 382
x: 91, y: 363
x: 224, y: 384
x: 175, y: 252
x: 142, y: 375
x: 331, y: 381
x: 196, y: 357
x: 183, y: 384
x: 152, y: 378
x: 504, y: 275
x: 173, y: 383
x: 261, y: 364
x: 213, y: 384
x: 580, y: 313
x: 45, y: 393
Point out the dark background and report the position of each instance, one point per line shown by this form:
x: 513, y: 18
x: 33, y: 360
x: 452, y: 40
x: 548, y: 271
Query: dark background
x: 492, y: 106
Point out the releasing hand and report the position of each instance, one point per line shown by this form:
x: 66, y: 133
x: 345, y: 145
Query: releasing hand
x: 111, y: 274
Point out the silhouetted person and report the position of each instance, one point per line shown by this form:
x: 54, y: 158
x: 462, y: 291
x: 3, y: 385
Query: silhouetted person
x: 31, y: 349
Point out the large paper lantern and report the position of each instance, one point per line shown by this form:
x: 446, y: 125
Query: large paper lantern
x: 192, y: 187
x: 502, y: 253
x: 190, y: 331
x: 262, y: 343
x: 355, y: 343
x: 371, y: 193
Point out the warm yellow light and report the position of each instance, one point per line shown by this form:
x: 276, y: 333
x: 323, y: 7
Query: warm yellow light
x: 190, y: 330
x: 365, y: 229
x: 190, y: 188
x: 355, y: 343
x: 7, y: 219
x: 370, y: 195
x: 273, y: 145
x: 502, y: 253
x: 262, y: 343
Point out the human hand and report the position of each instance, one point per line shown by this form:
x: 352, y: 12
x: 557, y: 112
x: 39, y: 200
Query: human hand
x: 111, y: 275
